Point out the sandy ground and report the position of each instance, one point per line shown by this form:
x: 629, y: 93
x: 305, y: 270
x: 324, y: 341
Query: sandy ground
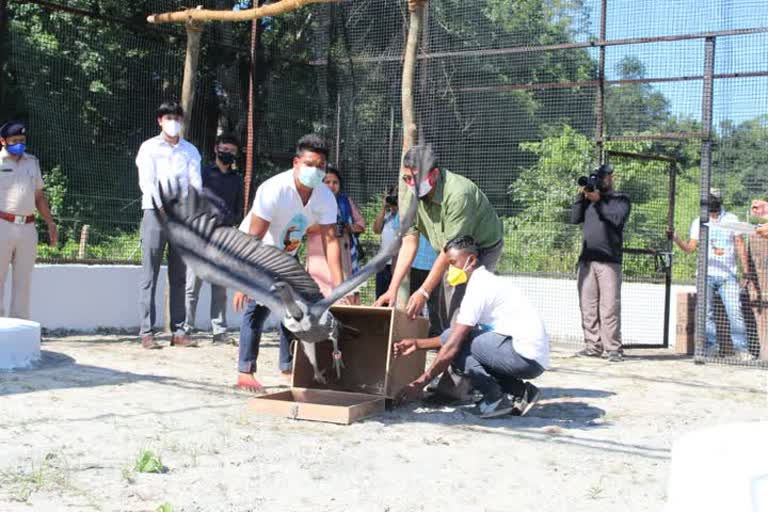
x: 72, y: 431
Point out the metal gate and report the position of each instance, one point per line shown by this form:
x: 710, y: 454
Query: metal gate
x: 651, y: 285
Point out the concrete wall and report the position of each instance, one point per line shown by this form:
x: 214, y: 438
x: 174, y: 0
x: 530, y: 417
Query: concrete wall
x: 87, y: 297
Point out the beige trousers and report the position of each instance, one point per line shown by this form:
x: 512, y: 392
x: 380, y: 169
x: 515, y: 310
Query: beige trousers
x: 18, y: 249
x: 599, y: 287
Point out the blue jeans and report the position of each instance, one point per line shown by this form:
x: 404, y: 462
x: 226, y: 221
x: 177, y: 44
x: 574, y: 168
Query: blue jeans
x: 492, y: 364
x: 251, y: 328
x: 728, y: 289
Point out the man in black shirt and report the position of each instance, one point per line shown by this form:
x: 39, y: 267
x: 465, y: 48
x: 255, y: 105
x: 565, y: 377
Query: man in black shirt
x: 604, y: 213
x: 225, y: 188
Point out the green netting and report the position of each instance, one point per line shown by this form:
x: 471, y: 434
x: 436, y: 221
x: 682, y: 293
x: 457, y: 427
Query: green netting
x: 518, y: 119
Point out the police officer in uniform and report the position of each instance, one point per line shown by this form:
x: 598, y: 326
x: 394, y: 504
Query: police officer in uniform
x: 21, y: 191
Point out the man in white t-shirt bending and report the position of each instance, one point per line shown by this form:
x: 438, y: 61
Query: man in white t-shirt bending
x: 284, y: 206
x: 498, y: 339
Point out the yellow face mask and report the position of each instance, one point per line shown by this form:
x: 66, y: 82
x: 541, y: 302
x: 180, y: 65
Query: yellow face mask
x: 457, y: 276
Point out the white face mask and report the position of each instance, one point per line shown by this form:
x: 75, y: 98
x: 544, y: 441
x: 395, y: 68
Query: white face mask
x: 424, y: 187
x: 311, y: 177
x: 172, y: 128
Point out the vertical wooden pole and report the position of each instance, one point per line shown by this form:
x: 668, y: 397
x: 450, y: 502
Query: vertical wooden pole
x: 410, y: 130
x: 194, y: 35
x: 249, y: 150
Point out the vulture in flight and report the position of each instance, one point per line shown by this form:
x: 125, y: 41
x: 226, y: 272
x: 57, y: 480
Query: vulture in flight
x: 226, y: 256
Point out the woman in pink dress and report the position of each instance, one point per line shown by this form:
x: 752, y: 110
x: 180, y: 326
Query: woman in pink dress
x: 349, y: 222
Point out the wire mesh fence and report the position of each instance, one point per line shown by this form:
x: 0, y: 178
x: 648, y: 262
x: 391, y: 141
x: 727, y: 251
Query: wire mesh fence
x: 520, y: 97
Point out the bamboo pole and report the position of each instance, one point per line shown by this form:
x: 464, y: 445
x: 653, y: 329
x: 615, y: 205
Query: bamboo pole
x: 194, y: 34
x: 199, y: 14
x: 84, y: 231
x: 410, y: 129
x: 250, y: 151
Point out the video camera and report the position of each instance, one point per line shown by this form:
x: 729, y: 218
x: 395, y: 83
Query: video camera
x: 595, y: 179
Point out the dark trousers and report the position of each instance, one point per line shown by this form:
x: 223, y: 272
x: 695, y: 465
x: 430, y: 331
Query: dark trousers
x: 251, y: 328
x: 492, y: 364
x: 383, y: 278
x: 153, y: 243
x: 418, y: 277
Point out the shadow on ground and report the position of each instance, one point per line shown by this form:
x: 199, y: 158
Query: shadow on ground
x: 56, y: 370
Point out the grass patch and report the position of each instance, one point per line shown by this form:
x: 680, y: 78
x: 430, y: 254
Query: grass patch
x: 148, y: 462
x: 52, y: 474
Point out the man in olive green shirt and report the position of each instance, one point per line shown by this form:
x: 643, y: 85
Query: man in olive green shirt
x: 449, y: 206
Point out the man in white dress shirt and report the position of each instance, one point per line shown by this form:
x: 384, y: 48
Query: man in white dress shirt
x: 165, y: 158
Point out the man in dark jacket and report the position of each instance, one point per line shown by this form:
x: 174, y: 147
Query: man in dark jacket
x: 224, y: 186
x: 604, y: 213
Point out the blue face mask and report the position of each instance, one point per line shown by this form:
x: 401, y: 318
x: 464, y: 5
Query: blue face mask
x: 311, y: 177
x: 16, y: 149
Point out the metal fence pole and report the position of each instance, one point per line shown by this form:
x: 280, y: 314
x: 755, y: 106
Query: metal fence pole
x: 704, y: 184
x: 600, y: 107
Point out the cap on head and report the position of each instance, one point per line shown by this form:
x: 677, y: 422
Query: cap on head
x: 715, y: 200
x: 12, y: 128
x: 604, y: 170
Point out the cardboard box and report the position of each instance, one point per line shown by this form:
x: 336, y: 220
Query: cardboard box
x: 686, y: 323
x: 370, y: 374
x: 319, y: 405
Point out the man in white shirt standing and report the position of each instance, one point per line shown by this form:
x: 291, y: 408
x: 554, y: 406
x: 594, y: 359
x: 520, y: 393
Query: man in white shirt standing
x: 497, y: 341
x: 722, y: 275
x: 284, y: 206
x: 166, y: 159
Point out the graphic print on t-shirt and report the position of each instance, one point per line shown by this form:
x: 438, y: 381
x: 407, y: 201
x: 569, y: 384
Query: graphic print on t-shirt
x: 293, y: 233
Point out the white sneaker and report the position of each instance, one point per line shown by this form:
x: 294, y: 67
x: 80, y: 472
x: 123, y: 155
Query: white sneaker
x: 744, y: 355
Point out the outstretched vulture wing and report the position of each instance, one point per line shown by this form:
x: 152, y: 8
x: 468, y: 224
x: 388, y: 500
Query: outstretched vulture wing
x: 223, y: 255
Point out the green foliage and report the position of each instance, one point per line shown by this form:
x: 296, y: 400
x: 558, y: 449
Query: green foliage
x: 165, y: 507
x: 541, y: 239
x: 148, y: 462
x: 108, y: 247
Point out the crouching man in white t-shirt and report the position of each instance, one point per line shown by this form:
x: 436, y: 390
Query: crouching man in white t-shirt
x: 497, y: 341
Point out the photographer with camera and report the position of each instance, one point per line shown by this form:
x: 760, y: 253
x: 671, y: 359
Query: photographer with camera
x: 604, y: 213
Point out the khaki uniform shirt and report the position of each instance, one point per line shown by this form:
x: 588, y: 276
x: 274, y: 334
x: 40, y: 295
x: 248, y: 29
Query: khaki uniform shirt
x: 458, y: 207
x: 19, y: 180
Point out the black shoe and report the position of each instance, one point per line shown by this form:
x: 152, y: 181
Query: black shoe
x: 526, y: 402
x: 615, y: 356
x: 493, y: 408
x: 588, y: 352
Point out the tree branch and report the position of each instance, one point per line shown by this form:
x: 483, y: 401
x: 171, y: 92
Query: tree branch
x: 199, y: 14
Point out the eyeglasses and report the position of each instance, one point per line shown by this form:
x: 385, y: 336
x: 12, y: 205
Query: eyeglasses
x: 408, y: 179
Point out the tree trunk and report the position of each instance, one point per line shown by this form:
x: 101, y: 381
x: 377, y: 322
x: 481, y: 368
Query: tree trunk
x: 410, y: 130
x: 194, y: 34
